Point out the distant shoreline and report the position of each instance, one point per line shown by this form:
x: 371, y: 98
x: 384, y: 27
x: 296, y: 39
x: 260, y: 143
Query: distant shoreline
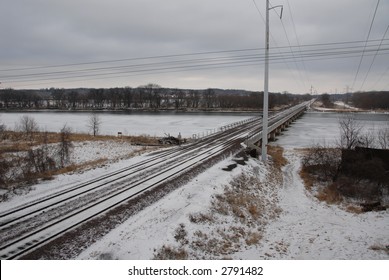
x: 132, y: 110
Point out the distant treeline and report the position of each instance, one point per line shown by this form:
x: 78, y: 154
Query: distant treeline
x: 150, y: 96
x: 371, y: 100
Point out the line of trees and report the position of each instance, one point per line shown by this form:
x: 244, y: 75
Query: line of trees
x: 371, y: 100
x: 150, y: 96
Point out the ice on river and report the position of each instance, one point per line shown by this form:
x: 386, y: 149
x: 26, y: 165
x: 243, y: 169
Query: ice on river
x: 153, y: 124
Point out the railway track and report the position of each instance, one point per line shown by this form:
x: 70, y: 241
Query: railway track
x: 30, y: 226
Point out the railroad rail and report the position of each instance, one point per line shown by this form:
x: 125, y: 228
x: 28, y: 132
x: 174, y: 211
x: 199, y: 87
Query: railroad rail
x: 276, y: 125
x: 28, y: 227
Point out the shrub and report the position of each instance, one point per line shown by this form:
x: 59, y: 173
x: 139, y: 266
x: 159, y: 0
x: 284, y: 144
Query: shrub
x: 324, y: 162
x: 171, y: 253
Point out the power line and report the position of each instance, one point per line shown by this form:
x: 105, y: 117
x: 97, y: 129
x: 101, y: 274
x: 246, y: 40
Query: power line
x: 298, y: 41
x: 126, y: 59
x: 274, y: 41
x: 372, y: 62
x: 195, y: 61
x: 295, y: 61
x: 280, y: 55
x: 183, y: 55
x: 312, y: 56
x: 367, y: 39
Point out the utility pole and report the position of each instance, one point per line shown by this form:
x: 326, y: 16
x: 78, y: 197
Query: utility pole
x: 266, y: 89
x: 266, y: 85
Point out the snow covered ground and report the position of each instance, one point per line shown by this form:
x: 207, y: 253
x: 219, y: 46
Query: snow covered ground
x: 116, y: 155
x: 309, y: 229
x: 305, y: 229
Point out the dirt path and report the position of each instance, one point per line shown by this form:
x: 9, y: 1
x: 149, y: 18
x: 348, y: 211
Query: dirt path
x: 309, y: 229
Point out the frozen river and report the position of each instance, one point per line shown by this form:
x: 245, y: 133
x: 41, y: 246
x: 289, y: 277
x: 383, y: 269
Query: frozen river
x: 323, y: 128
x: 312, y: 128
x: 142, y: 123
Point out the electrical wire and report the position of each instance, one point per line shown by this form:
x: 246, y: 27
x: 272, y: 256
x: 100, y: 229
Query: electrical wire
x: 273, y: 40
x: 298, y: 42
x: 337, y: 53
x: 281, y: 55
x: 367, y: 39
x: 372, y: 62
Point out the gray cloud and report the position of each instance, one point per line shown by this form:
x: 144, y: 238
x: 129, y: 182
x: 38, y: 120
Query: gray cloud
x: 46, y: 32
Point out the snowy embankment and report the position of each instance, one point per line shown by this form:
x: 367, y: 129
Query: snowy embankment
x: 310, y: 229
x: 294, y: 226
x: 156, y: 226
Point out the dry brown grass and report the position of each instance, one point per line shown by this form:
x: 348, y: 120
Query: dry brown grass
x: 15, y: 146
x: 253, y: 238
x: 49, y: 175
x: 356, y: 209
x: 329, y: 194
x: 199, y: 218
x: 170, y: 253
x: 277, y: 155
x: 307, y: 178
x: 16, y: 142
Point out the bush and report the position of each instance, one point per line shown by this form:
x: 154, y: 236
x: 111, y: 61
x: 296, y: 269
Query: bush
x: 4, y: 169
x: 323, y: 162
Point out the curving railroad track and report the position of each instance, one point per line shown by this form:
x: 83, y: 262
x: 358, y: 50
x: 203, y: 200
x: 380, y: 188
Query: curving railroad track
x: 32, y: 225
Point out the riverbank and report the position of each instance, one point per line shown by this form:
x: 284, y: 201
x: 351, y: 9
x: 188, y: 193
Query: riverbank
x: 341, y: 107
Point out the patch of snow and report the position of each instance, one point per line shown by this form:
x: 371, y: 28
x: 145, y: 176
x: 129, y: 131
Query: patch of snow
x: 94, y: 150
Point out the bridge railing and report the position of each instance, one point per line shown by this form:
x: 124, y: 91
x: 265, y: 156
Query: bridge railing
x: 211, y: 132
x: 277, y: 121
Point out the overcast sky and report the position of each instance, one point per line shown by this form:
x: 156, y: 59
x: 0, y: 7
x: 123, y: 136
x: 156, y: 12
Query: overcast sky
x: 105, y: 43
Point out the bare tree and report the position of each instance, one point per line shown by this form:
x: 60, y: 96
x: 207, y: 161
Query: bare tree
x: 65, y: 145
x: 323, y: 161
x: 350, y: 132
x: 383, y: 138
x: 367, y: 139
x: 2, y: 130
x: 94, y: 123
x: 28, y: 126
x: 5, y: 165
